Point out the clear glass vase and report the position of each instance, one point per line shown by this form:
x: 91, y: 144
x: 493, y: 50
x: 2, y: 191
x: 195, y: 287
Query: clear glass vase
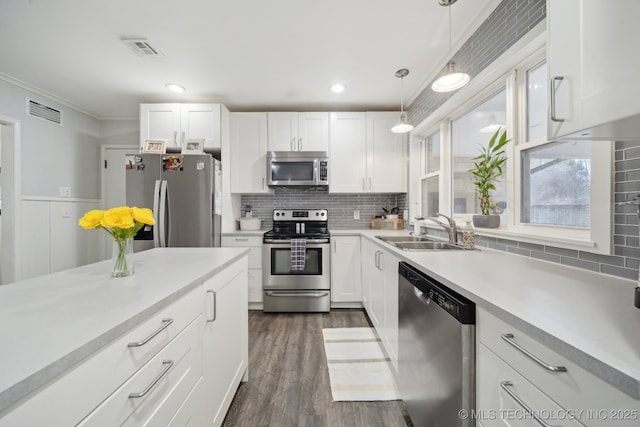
x: 122, y: 258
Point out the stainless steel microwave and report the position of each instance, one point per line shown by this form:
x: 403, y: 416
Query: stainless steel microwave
x: 297, y: 168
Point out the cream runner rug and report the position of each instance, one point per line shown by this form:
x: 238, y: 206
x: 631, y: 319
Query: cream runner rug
x: 358, y: 368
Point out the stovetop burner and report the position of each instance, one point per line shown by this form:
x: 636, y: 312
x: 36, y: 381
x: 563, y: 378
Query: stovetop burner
x: 299, y: 224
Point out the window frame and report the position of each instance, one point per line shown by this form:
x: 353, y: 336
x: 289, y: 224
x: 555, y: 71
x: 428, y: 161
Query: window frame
x: 510, y: 71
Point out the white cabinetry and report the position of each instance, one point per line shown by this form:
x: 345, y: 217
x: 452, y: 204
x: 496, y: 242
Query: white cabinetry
x: 346, y: 283
x: 249, y: 153
x: 254, y: 243
x: 290, y: 131
x: 225, y: 343
x: 380, y: 284
x: 592, y: 70
x: 177, y: 122
x: 506, y: 374
x: 365, y: 155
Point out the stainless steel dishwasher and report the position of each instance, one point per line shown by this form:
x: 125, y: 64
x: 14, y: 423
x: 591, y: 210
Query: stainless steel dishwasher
x: 436, y: 351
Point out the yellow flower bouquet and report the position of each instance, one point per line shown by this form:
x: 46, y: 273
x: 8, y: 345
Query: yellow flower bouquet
x: 122, y: 223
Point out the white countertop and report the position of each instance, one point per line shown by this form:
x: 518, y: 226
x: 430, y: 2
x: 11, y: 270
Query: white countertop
x: 50, y: 323
x: 588, y: 317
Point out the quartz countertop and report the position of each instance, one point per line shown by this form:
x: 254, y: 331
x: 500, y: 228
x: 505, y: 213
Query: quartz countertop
x: 588, y: 317
x: 50, y: 323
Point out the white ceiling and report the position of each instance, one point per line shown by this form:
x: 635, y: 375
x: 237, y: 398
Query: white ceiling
x: 247, y: 54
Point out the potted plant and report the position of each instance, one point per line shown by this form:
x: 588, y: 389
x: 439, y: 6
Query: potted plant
x: 487, y: 168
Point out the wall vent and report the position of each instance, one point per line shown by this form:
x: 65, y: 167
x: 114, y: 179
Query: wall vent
x: 36, y: 109
x: 142, y: 47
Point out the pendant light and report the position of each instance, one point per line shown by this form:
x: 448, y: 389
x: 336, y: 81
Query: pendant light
x: 403, y: 126
x: 450, y: 79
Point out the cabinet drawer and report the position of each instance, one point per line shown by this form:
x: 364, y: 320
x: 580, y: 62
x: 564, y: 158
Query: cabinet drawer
x: 504, y: 396
x: 575, y: 389
x: 158, y: 389
x: 86, y: 385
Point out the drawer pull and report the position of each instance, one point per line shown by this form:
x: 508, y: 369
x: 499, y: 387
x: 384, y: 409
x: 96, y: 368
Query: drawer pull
x: 165, y: 325
x: 246, y: 239
x: 167, y: 365
x: 505, y: 385
x: 214, y: 307
x: 509, y: 338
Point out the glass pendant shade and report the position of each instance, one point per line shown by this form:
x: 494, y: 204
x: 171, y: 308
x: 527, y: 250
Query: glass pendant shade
x: 450, y: 79
x: 402, y: 126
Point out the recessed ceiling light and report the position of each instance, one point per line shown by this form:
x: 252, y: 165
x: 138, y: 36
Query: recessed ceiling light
x: 337, y: 88
x: 175, y: 88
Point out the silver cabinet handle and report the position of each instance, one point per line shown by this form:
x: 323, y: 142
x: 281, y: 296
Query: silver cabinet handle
x: 553, y: 98
x: 293, y: 144
x: 263, y: 183
x: 168, y: 364
x: 509, y: 338
x: 238, y: 239
x: 175, y: 137
x: 165, y: 325
x: 213, y: 305
x: 369, y: 183
x: 183, y: 138
x: 375, y: 259
x: 299, y: 144
x: 364, y: 185
x: 334, y: 246
x: 505, y: 385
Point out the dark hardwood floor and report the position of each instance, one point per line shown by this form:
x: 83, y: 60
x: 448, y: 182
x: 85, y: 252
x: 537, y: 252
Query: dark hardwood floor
x: 288, y: 378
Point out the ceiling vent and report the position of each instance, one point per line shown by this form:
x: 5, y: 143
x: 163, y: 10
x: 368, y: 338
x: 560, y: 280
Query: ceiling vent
x: 142, y: 47
x: 36, y: 109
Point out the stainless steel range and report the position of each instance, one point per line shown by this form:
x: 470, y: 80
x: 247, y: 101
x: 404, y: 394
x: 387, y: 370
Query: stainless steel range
x: 296, y: 262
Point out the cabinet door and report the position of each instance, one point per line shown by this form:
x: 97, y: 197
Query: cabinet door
x: 249, y: 153
x: 313, y: 131
x: 390, y: 327
x: 348, y: 153
x: 609, y: 35
x: 346, y: 283
x: 563, y: 62
x: 283, y: 131
x: 376, y: 313
x: 225, y: 339
x: 160, y: 121
x: 385, y: 154
x: 201, y: 121
x: 368, y: 270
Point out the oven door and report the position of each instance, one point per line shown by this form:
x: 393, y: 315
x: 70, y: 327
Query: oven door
x: 276, y: 265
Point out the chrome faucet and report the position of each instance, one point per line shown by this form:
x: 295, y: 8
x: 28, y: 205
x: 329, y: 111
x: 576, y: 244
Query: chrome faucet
x: 451, y: 227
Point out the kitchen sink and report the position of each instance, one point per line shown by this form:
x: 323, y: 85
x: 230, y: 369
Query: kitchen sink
x: 422, y: 246
x: 396, y: 239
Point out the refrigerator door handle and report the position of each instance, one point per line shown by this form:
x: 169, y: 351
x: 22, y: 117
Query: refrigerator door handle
x: 163, y: 214
x: 156, y: 210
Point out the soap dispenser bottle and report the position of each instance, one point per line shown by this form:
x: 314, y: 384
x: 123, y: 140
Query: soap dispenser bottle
x: 468, y: 236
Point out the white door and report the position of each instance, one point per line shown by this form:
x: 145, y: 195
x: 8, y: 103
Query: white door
x: 385, y: 154
x: 313, y: 131
x: 348, y: 153
x: 160, y: 121
x: 201, y: 121
x: 114, y: 165
x: 346, y: 282
x: 283, y: 131
x: 249, y: 153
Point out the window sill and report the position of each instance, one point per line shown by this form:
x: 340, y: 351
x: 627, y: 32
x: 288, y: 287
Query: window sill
x: 560, y: 242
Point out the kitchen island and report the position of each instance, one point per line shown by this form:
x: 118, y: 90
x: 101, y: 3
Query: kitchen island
x: 73, y: 338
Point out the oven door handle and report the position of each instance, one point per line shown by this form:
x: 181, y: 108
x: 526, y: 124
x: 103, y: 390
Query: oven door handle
x: 288, y: 242
x: 296, y: 294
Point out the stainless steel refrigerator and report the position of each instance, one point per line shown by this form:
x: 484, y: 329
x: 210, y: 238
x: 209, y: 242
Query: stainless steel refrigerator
x: 184, y: 192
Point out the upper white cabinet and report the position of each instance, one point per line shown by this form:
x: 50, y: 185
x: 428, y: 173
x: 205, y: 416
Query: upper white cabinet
x: 365, y: 155
x: 249, y: 153
x: 290, y: 131
x: 593, y: 70
x: 177, y: 122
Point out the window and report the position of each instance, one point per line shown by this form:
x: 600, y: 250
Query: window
x: 430, y: 180
x: 468, y: 133
x: 552, y: 192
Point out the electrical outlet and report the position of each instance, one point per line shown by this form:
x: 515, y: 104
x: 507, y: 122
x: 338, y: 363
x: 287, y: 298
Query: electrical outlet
x: 356, y: 214
x: 65, y: 191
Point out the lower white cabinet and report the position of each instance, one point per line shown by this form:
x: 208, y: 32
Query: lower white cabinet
x: 225, y: 356
x: 346, y: 282
x: 380, y: 284
x: 254, y: 243
x: 508, y: 379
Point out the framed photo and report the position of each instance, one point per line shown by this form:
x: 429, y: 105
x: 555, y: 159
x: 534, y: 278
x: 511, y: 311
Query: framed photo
x: 154, y: 146
x: 193, y: 146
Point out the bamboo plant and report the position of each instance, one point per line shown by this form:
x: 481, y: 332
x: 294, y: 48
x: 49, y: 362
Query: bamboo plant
x: 488, y: 166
